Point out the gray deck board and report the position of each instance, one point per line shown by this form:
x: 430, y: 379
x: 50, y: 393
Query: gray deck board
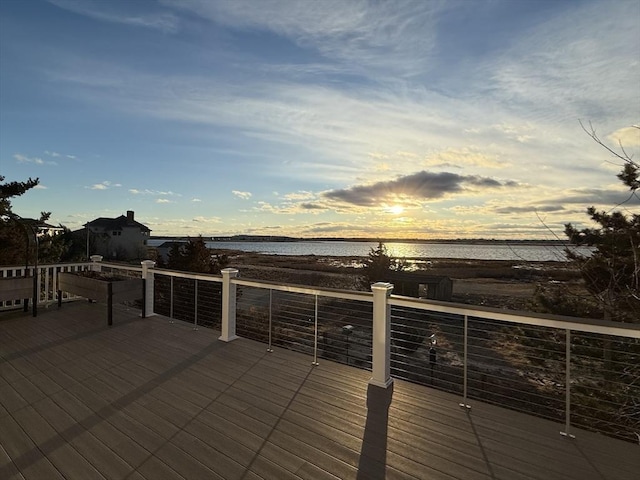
x: 148, y: 399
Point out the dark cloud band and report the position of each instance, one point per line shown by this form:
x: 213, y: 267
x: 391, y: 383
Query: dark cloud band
x: 422, y: 185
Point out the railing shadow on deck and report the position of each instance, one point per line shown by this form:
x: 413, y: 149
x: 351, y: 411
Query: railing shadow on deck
x: 373, y: 454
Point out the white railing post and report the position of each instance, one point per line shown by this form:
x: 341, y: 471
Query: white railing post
x: 54, y: 281
x: 148, y: 277
x: 381, y: 361
x: 95, y: 263
x: 47, y: 270
x: 228, y: 305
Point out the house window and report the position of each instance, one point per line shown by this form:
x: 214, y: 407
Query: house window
x: 116, y: 233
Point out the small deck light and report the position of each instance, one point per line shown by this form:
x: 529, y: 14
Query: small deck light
x: 347, y: 330
x: 433, y: 355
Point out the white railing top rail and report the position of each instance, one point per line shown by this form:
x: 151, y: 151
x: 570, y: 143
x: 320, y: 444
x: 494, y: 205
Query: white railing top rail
x: 292, y: 288
x: 589, y: 325
x: 121, y: 266
x: 524, y: 318
x: 283, y: 287
x: 211, y: 277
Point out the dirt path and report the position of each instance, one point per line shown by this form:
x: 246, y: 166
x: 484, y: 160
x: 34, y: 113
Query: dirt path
x: 489, y: 286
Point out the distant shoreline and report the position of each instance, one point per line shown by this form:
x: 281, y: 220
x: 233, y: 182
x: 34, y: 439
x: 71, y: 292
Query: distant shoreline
x: 283, y: 239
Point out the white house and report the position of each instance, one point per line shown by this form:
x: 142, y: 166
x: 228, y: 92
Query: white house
x: 119, y: 238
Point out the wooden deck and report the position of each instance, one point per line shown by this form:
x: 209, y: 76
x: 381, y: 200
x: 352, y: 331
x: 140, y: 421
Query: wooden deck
x: 146, y: 399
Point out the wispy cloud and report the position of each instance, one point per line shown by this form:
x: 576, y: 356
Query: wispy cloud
x: 164, y: 193
x: 104, y: 185
x: 99, y: 10
x: 335, y: 128
x: 530, y: 209
x: 299, y: 195
x: 34, y: 160
x: 55, y: 154
x: 242, y: 195
x: 626, y: 137
x: 590, y: 196
x: 375, y: 35
x: 465, y: 157
x: 562, y: 69
x: 308, y: 206
x: 208, y: 220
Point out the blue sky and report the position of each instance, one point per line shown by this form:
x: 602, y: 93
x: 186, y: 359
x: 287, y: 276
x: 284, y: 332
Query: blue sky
x: 427, y: 119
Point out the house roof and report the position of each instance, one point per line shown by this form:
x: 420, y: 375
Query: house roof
x: 117, y: 223
x: 40, y: 224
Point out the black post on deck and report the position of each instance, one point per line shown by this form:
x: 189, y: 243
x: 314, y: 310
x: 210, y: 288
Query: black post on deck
x: 36, y: 293
x: 110, y: 303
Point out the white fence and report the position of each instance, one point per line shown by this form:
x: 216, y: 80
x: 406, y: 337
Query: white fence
x: 47, y: 280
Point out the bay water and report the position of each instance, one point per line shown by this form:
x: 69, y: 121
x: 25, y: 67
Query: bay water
x: 335, y: 248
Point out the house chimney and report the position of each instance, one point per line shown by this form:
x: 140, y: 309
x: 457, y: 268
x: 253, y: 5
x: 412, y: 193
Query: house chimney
x: 130, y: 215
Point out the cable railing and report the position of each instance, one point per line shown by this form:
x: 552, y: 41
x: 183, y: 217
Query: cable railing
x: 577, y: 372
x: 580, y: 372
x: 605, y: 386
x: 192, y: 298
x: 427, y: 348
x: 323, y: 323
x: 346, y: 331
x: 552, y: 367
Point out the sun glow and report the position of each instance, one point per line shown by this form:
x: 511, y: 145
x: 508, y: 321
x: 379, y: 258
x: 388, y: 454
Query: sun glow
x: 395, y: 209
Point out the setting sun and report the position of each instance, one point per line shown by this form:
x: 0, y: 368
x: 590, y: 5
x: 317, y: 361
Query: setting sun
x: 396, y: 209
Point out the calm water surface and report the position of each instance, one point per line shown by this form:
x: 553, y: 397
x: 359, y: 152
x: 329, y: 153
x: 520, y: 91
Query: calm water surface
x: 530, y: 253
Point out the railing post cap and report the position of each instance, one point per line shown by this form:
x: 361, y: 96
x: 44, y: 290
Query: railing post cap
x: 229, y: 271
x: 386, y: 286
x: 148, y: 263
x: 96, y: 258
